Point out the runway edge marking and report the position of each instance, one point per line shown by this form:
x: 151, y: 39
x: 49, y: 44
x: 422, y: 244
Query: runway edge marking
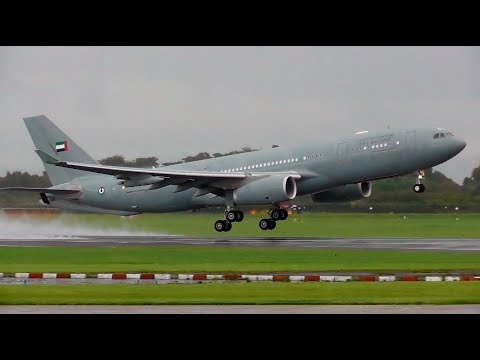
x: 247, y: 277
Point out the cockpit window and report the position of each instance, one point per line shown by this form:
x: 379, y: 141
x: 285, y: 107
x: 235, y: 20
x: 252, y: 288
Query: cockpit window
x: 442, y: 135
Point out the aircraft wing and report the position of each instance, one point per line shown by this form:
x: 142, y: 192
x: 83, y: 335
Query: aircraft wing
x: 214, y: 182
x: 125, y: 172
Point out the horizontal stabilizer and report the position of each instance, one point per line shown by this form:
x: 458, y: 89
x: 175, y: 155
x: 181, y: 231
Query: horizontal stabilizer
x: 46, y: 158
x: 42, y: 190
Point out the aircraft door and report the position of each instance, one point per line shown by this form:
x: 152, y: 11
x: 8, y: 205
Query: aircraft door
x: 342, y: 151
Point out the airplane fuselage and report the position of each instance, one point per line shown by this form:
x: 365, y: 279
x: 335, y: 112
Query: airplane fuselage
x: 322, y: 165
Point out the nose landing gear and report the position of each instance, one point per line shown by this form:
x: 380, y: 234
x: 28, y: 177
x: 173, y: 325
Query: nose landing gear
x: 419, y: 187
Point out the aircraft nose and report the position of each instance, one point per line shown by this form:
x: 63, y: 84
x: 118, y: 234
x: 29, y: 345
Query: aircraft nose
x: 460, y: 144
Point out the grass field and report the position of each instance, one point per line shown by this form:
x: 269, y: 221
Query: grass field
x: 228, y: 259
x: 250, y: 260
x: 250, y: 293
x: 307, y: 224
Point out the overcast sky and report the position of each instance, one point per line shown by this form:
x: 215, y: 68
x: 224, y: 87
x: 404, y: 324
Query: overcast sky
x: 171, y: 102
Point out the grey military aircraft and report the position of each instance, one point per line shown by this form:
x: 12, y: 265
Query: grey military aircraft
x: 330, y: 171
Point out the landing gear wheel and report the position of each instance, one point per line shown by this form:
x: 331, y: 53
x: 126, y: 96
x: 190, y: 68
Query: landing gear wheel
x: 419, y: 188
x: 238, y: 216
x: 231, y: 216
x: 223, y: 225
x: 276, y: 214
x: 284, y: 214
x: 264, y: 224
x: 219, y: 225
x: 273, y: 224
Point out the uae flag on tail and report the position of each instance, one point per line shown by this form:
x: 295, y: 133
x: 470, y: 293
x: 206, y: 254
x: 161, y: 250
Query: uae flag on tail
x: 61, y: 146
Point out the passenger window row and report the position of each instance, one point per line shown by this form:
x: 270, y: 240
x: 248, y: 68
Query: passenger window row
x: 256, y: 166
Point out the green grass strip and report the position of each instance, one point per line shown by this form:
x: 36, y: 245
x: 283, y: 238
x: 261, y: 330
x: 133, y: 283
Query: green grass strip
x: 228, y: 260
x: 243, y: 293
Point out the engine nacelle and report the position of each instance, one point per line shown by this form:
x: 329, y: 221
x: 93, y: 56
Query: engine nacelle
x: 345, y: 193
x: 273, y: 189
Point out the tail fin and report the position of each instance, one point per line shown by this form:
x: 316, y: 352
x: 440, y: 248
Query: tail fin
x: 48, y: 138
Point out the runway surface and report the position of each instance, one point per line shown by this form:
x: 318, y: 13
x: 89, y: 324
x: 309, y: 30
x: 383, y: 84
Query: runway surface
x: 266, y: 242
x: 240, y: 309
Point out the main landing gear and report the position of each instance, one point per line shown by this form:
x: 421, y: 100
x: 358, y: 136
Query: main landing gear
x: 271, y: 223
x: 419, y: 187
x: 230, y: 217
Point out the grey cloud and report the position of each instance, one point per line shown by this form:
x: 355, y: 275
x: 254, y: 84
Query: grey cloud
x: 174, y: 101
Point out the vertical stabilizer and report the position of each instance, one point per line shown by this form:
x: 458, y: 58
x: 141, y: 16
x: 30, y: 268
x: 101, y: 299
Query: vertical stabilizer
x: 48, y: 138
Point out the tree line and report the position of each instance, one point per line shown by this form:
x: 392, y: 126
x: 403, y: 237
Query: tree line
x: 396, y: 195
x: 389, y: 195
x: 119, y: 160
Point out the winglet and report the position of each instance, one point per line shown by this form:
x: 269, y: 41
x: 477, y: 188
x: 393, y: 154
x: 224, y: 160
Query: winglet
x: 46, y: 158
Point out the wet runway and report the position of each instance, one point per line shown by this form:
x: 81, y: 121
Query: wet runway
x: 266, y: 242
x: 240, y: 309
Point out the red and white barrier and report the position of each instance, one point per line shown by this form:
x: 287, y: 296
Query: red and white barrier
x: 297, y: 277
x: 22, y: 275
x: 265, y: 278
x: 78, y: 276
x: 49, y: 276
x: 248, y: 277
x: 365, y: 278
x: 185, y: 276
x: 387, y: 278
x: 162, y: 276
x: 452, y: 278
x: 134, y: 276
x: 215, y: 277
x: 104, y: 276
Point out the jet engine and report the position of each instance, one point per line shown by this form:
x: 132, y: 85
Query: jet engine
x: 345, y: 193
x: 272, y: 189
